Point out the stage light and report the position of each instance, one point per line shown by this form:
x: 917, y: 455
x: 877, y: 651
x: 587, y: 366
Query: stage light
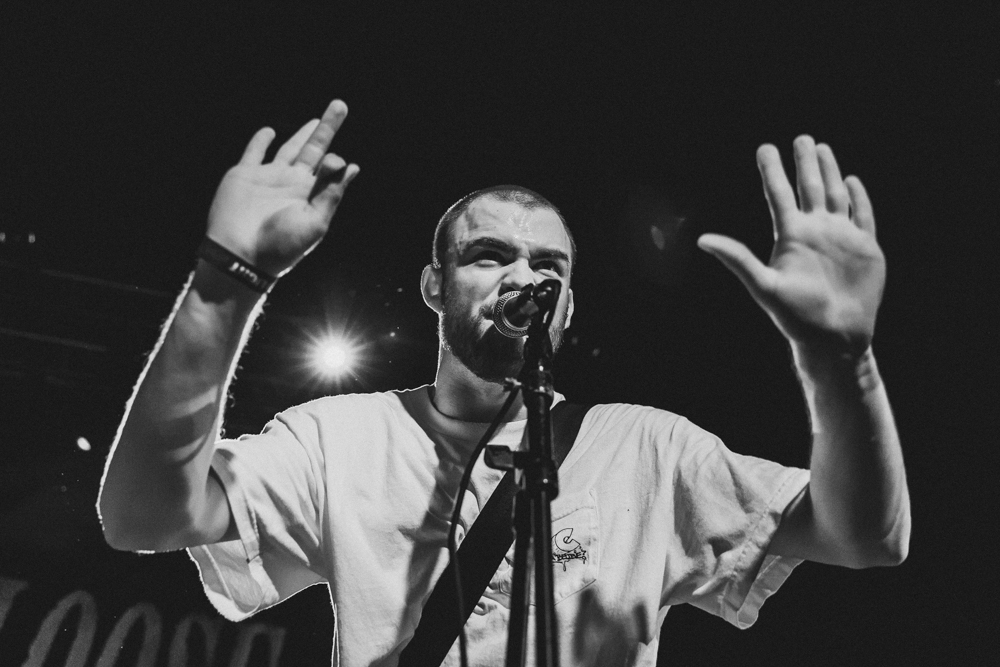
x: 332, y: 357
x: 83, y: 444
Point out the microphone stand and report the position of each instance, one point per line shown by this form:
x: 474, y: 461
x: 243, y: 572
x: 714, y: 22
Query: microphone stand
x: 539, y: 485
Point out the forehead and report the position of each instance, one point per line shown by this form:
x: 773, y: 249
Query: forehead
x: 511, y: 222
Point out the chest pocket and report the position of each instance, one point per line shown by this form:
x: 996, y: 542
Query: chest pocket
x: 576, y: 553
x: 576, y: 557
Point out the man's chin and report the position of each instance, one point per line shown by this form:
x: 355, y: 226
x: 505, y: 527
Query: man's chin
x: 492, y: 357
x: 497, y: 357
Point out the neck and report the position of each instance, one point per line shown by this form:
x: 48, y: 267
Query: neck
x: 460, y: 394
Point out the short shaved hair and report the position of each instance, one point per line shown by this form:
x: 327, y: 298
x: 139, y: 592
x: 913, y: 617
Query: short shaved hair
x: 517, y: 194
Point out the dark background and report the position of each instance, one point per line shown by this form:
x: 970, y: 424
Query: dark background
x: 116, y: 128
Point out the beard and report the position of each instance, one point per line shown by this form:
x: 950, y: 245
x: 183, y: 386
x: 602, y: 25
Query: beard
x: 488, y: 354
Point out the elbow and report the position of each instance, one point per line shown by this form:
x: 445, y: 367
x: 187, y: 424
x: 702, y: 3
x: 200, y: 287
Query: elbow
x: 112, y: 530
x: 117, y: 532
x: 879, y: 555
x: 896, y: 544
x: 137, y: 539
x: 117, y: 539
x: 115, y: 524
x: 882, y: 554
x: 890, y: 550
x: 128, y: 531
x: 898, y: 555
x: 896, y: 547
x: 140, y: 513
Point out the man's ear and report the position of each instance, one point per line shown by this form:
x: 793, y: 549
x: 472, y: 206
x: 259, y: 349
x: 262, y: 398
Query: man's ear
x: 569, y: 310
x: 430, y: 287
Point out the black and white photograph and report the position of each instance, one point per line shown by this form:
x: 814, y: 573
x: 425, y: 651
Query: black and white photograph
x: 499, y: 334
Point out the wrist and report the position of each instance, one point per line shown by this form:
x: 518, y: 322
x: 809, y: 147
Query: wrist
x: 830, y: 364
x: 235, y: 266
x: 216, y: 287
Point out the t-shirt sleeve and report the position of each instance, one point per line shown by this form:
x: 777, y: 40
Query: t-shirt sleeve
x: 727, y: 508
x: 275, y: 487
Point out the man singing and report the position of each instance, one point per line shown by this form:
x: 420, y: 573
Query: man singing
x: 356, y: 491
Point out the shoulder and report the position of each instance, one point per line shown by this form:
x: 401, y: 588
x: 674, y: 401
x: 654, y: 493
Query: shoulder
x: 648, y: 433
x: 332, y: 418
x: 642, y: 420
x: 343, y: 406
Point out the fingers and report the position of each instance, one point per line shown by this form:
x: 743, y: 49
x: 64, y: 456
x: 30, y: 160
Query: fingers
x: 837, y: 198
x: 255, y: 150
x: 312, y: 151
x: 308, y: 146
x: 291, y: 148
x: 863, y: 215
x: 809, y: 179
x: 754, y: 275
x: 818, y: 180
x: 777, y: 189
x: 333, y: 177
x: 330, y: 171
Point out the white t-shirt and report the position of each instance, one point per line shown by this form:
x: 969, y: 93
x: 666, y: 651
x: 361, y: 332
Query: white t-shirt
x: 356, y: 491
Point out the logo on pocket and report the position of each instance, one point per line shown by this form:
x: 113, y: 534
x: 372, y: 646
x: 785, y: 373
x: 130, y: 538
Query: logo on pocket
x: 565, y: 548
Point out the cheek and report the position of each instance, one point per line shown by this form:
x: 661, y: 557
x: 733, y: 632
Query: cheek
x: 460, y: 289
x: 457, y: 299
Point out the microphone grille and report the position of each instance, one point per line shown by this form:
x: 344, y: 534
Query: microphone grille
x: 500, y: 321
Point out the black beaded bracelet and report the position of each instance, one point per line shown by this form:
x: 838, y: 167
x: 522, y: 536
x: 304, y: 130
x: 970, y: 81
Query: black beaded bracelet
x: 235, y: 267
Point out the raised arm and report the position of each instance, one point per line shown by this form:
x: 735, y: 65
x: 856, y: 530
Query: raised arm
x: 822, y: 288
x: 157, y: 493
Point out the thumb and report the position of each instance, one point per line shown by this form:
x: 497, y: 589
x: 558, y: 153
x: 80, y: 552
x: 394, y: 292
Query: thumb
x: 737, y: 258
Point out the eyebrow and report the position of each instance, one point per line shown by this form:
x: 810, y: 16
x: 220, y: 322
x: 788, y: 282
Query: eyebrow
x: 492, y: 243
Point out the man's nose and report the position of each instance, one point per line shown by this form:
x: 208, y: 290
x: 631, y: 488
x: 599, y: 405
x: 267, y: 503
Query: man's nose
x: 519, y: 276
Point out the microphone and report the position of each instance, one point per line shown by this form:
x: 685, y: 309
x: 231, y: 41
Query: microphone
x: 513, y: 310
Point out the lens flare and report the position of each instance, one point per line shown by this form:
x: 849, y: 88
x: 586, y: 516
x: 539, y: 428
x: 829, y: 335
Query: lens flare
x: 332, y: 357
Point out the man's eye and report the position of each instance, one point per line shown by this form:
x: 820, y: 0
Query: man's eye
x: 547, y: 265
x: 489, y: 256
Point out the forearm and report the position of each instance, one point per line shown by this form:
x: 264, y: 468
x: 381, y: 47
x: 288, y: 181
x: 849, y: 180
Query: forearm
x: 156, y: 479
x: 858, y: 490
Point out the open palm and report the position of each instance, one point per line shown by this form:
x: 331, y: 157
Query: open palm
x: 273, y: 214
x: 826, y: 274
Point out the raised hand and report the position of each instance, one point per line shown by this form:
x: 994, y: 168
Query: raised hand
x: 824, y: 281
x: 272, y: 215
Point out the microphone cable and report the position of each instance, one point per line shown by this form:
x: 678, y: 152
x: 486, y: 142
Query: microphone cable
x: 456, y: 515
